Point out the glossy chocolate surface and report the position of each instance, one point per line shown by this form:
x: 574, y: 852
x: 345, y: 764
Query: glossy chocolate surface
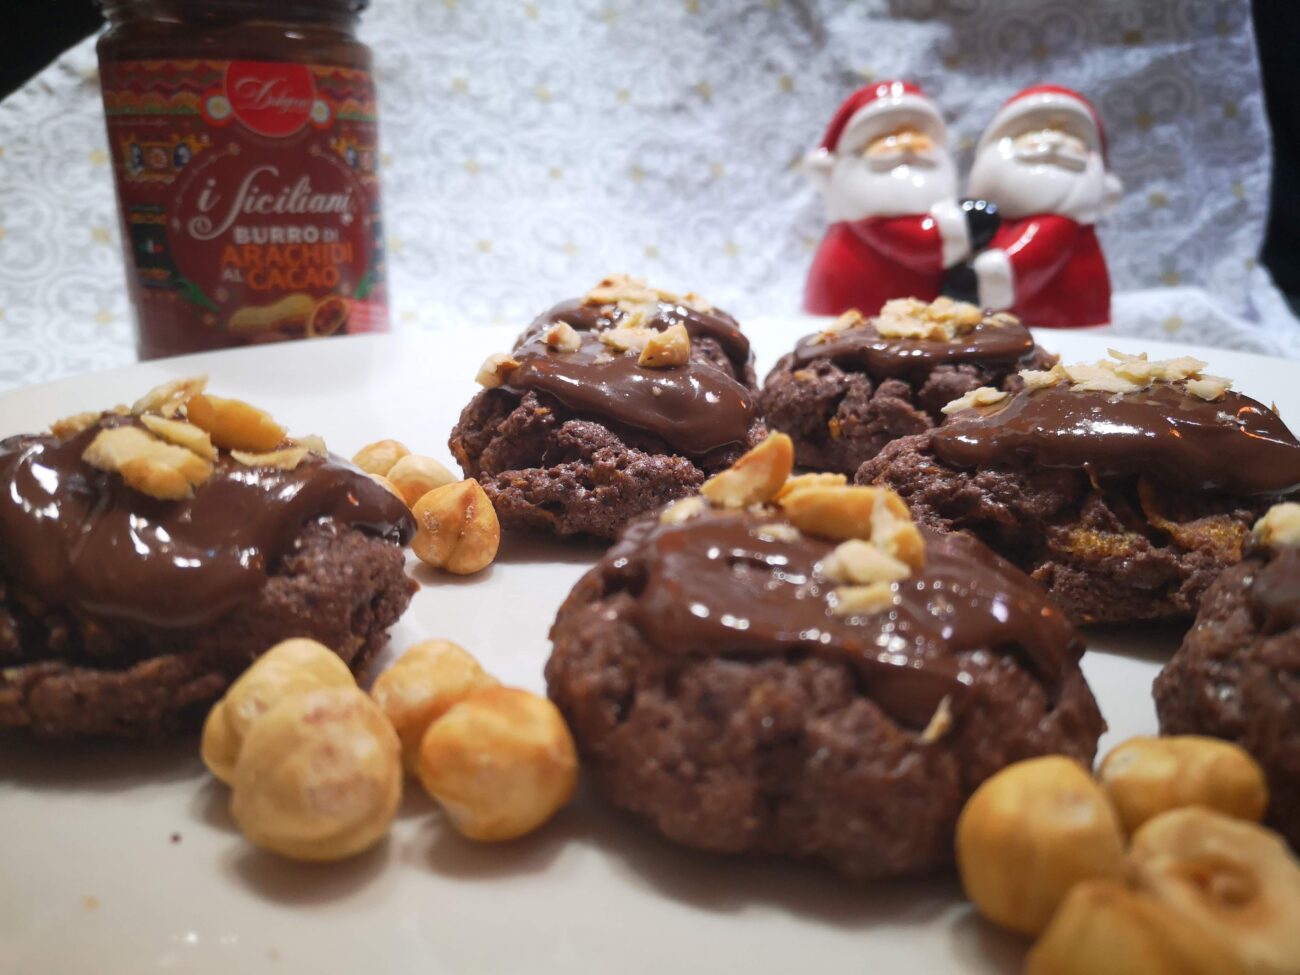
x: 713, y: 587
x: 882, y: 357
x: 1275, y: 591
x: 78, y: 539
x: 695, y: 408
x: 1233, y: 444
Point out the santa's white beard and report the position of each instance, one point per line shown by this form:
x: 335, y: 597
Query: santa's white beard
x: 856, y: 190
x: 1022, y: 188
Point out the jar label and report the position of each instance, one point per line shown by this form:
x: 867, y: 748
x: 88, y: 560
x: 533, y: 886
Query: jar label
x: 249, y: 195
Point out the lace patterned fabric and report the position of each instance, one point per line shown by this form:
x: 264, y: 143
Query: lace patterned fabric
x: 531, y: 148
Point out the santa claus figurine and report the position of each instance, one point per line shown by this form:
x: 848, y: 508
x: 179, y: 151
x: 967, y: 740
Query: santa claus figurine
x: 890, y: 191
x: 1042, y: 161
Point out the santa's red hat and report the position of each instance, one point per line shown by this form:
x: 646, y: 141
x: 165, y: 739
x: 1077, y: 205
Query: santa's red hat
x: 878, y: 109
x: 1046, y: 106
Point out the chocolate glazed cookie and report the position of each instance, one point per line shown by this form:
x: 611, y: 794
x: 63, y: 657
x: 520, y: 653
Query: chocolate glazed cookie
x: 1125, y: 505
x: 713, y: 691
x: 581, y: 434
x: 127, y: 615
x: 845, y: 393
x: 1237, y: 673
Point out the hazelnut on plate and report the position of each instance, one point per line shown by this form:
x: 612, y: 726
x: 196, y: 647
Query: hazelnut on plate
x: 1030, y: 833
x: 422, y: 685
x: 1147, y: 776
x: 319, y: 776
x: 456, y: 528
x: 380, y: 456
x: 1104, y: 928
x: 288, y: 668
x: 1236, y: 881
x: 500, y: 763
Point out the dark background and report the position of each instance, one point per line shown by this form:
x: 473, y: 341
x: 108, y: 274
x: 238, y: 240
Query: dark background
x: 39, y: 30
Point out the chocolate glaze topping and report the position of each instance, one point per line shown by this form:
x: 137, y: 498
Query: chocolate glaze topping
x: 883, y: 357
x: 1232, y: 444
x: 713, y: 587
x: 1275, y: 590
x: 78, y: 539
x: 695, y: 408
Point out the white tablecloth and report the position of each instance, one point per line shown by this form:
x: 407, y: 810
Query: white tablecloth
x: 532, y: 147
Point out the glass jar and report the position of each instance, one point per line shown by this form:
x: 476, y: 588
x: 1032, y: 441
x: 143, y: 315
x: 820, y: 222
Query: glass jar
x: 244, y: 141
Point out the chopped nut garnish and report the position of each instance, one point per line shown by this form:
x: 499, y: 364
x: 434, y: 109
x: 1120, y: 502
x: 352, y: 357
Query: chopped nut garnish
x: 863, y: 600
x: 562, y: 337
x: 872, y: 514
x: 181, y: 434
x: 1124, y: 373
x: 755, y: 478
x: 1279, y: 526
x: 940, y: 722
x: 1208, y: 388
x: 285, y: 460
x: 628, y: 338
x: 682, y: 511
x: 633, y: 294
x: 941, y: 320
x: 982, y: 397
x: 70, y: 426
x: 778, y: 531
x: 801, y: 481
x: 496, y: 370
x: 858, y: 562
x: 663, y: 350
x: 1044, y: 378
x: 158, y: 469
x: 167, y: 398
x: 848, y: 320
x: 313, y: 443
x: 234, y: 424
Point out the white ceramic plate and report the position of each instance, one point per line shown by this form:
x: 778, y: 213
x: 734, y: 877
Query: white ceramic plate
x: 122, y: 859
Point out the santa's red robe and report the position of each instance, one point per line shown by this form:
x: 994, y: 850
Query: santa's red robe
x: 864, y: 263
x: 1058, y: 273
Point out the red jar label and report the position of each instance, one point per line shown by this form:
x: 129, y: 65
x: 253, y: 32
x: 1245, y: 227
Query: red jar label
x: 249, y: 195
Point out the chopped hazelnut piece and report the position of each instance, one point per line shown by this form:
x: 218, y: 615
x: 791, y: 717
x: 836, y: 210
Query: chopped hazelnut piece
x: 984, y: 396
x: 863, y: 600
x: 778, y: 531
x: 1279, y: 526
x: 940, y: 722
x: 496, y: 370
x: 755, y: 478
x: 234, y: 424
x: 284, y: 460
x: 181, y: 434
x: 682, y: 511
x: 628, y: 338
x: 1044, y: 378
x: 1208, y: 388
x: 562, y: 337
x: 800, y: 481
x: 314, y: 444
x: 158, y: 469
x: 860, y: 563
x: 666, y: 349
x: 166, y: 399
x: 70, y: 426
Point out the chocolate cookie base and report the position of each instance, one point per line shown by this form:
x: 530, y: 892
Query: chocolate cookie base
x: 65, y: 677
x: 546, y: 468
x: 839, y: 416
x: 1235, y: 678
x: 788, y: 754
x: 1096, y: 549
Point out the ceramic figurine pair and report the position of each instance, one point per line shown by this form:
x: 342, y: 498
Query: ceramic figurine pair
x: 1022, y: 240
